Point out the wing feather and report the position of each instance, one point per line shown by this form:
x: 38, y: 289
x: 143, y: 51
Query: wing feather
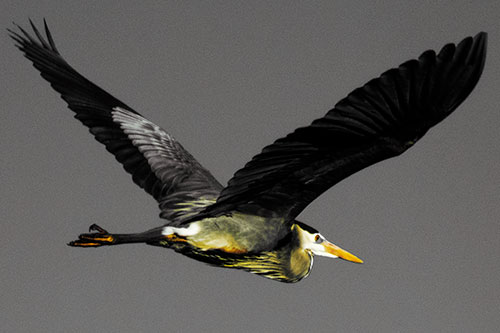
x: 156, y: 161
x: 382, y: 119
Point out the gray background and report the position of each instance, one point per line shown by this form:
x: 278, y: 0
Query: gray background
x: 227, y: 78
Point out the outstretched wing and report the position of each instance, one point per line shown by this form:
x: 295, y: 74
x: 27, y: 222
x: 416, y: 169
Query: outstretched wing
x: 157, y: 162
x: 377, y: 121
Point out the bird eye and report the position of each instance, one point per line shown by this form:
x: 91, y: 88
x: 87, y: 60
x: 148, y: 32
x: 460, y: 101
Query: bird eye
x: 318, y: 239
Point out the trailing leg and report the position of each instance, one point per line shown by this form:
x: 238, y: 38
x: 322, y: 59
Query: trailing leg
x: 100, y: 237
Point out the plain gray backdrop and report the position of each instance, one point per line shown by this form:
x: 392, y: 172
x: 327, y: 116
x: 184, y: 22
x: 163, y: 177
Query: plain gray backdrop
x: 226, y: 78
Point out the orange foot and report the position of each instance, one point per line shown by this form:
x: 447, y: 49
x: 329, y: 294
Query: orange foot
x: 94, y: 239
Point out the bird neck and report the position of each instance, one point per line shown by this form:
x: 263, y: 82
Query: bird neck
x: 291, y: 263
x: 300, y: 260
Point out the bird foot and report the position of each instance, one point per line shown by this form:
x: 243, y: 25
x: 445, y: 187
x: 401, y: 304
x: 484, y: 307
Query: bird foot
x: 94, y: 239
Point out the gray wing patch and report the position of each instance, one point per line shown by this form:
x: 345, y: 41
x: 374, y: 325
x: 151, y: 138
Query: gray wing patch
x: 187, y: 187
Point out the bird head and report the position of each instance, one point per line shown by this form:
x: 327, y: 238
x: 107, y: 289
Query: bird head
x: 312, y: 241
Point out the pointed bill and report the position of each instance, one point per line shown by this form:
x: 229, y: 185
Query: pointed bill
x: 341, y: 253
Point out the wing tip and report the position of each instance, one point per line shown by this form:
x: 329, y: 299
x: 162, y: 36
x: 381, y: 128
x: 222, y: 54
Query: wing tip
x: 479, y: 48
x: 25, y: 40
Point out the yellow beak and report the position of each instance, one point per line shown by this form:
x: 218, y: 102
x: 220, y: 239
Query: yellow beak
x: 338, y: 252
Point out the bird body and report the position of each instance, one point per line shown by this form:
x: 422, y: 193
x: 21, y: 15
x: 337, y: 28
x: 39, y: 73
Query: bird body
x: 282, y: 258
x: 236, y: 233
x: 250, y: 224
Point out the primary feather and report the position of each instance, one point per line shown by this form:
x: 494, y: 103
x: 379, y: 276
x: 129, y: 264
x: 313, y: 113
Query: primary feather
x: 157, y: 162
x: 382, y: 119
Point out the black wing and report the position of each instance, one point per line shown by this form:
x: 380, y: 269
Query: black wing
x: 157, y: 162
x: 377, y: 121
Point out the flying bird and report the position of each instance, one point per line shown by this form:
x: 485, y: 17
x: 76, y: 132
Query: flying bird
x: 250, y: 224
